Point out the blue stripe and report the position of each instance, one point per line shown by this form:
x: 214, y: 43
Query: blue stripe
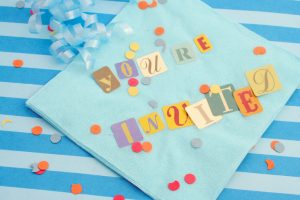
x: 39, y: 144
x: 27, y: 75
x: 283, y: 130
x: 15, y: 15
x: 295, y: 98
x: 13, y: 106
x: 25, y: 45
x: 276, y: 33
x: 234, y: 194
x: 276, y: 6
x: 62, y: 181
x: 255, y: 163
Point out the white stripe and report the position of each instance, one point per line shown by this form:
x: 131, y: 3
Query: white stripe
x: 21, y: 30
x: 265, y: 183
x: 293, y: 48
x: 61, y: 163
x: 31, y: 61
x: 292, y: 148
x: 18, y: 90
x: 24, y: 124
x: 13, y: 193
x: 262, y: 18
x: 289, y: 114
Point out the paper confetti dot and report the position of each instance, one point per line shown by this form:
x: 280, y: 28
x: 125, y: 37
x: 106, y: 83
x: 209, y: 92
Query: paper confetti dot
x: 76, y: 188
x: 174, y: 186
x: 196, y: 143
x: 20, y: 4
x: 147, y: 146
x: 119, y: 197
x: 43, y: 165
x: 37, y: 130
x: 31, y: 12
x: 204, y: 89
x: 143, y: 5
x: 130, y: 55
x: 136, y: 147
x: 190, y: 178
x: 134, y: 46
x: 279, y: 147
x: 159, y: 31
x: 153, y: 4
x: 17, y: 63
x: 162, y: 1
x: 95, y: 129
x: 55, y: 138
x: 161, y: 43
x: 146, y: 81
x: 259, y: 50
x: 50, y: 29
x: 270, y: 164
x: 133, y: 82
x: 153, y: 104
x: 133, y: 91
x: 34, y: 167
x: 215, y: 89
x: 40, y: 172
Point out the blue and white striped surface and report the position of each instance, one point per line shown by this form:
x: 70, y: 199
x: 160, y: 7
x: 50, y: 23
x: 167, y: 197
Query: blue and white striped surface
x: 276, y: 20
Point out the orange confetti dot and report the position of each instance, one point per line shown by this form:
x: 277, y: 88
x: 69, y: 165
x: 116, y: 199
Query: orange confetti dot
x: 18, y: 63
x: 159, y: 31
x: 43, y: 165
x: 37, y: 130
x: 147, y: 146
x: 273, y: 143
x: 153, y: 4
x: 204, y: 89
x: 95, y: 129
x: 76, y: 188
x: 259, y: 50
x: 270, y: 164
x: 143, y: 5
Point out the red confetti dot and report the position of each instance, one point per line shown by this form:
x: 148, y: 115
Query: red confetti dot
x: 133, y: 82
x: 31, y: 12
x: 190, y: 178
x: 137, y: 147
x: 119, y: 197
x: 40, y: 172
x: 174, y: 186
x: 50, y: 29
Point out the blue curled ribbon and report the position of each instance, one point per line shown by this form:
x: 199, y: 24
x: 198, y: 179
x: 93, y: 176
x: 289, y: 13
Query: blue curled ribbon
x: 74, y: 32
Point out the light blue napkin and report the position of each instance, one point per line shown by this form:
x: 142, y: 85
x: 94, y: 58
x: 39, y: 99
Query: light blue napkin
x: 73, y: 101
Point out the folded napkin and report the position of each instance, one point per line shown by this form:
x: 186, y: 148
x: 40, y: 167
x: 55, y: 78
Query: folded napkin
x: 187, y: 161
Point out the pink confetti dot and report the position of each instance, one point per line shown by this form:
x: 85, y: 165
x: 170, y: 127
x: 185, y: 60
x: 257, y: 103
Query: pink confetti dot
x: 137, y: 147
x: 190, y: 178
x: 133, y: 82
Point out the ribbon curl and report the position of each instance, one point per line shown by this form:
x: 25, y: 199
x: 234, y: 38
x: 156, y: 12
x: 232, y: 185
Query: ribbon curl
x: 74, y: 32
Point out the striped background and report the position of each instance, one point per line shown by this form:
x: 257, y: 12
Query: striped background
x: 276, y: 20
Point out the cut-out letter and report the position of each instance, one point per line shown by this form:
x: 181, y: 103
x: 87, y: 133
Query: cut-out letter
x: 105, y: 78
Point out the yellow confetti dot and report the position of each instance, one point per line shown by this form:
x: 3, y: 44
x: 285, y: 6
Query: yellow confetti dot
x: 129, y: 55
x: 134, y: 46
x: 133, y: 91
x: 215, y: 89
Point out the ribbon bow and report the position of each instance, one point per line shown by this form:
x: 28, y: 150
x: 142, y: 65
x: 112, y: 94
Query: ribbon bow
x: 73, y: 31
